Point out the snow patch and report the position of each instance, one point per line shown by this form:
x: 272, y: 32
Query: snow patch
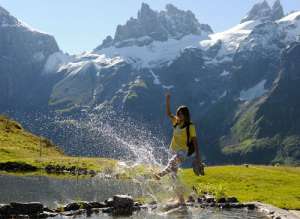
x: 225, y: 73
x: 257, y: 91
x: 168, y: 87
x: 154, y: 54
x: 202, y: 103
x: 229, y: 40
x: 54, y: 62
x: 290, y: 25
x: 78, y: 63
x: 155, y: 78
x: 224, y: 94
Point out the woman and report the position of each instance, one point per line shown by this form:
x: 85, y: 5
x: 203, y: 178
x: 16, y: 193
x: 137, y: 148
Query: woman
x: 183, y: 145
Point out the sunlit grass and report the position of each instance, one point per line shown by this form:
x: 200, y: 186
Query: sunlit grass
x: 16, y: 144
x: 279, y: 186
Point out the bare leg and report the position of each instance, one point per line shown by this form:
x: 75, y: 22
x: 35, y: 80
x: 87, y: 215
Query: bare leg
x: 172, y: 167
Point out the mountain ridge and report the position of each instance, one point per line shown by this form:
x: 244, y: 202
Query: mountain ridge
x: 223, y: 77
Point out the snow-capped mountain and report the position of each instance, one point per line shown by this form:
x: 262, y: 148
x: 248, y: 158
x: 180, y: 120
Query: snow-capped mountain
x: 150, y: 26
x: 154, y: 38
x: 220, y: 76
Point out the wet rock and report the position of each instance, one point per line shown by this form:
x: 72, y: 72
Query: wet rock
x: 200, y: 199
x: 74, y: 213
x: 108, y: 210
x: 48, y: 210
x: 5, y: 209
x: 123, y: 201
x: 61, y: 169
x: 221, y: 200
x: 209, y: 198
x: 109, y: 202
x: 32, y: 208
x: 250, y: 206
x: 191, y: 199
x: 47, y: 214
x: 224, y: 205
x: 92, y: 172
x: 77, y: 205
x: 97, y: 204
x: 232, y: 200
x: 17, y: 166
x: 237, y: 205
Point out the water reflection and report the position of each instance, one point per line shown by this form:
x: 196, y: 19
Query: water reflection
x: 56, y: 191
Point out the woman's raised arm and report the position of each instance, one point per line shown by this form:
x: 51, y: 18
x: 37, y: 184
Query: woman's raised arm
x: 168, y: 108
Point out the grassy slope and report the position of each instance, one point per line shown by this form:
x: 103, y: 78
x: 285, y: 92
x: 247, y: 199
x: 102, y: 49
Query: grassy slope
x: 274, y: 185
x: 16, y: 144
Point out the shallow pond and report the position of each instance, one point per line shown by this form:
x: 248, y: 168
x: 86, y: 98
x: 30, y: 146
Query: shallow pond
x: 53, y: 192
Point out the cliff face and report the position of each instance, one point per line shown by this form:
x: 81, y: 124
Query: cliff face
x: 23, y: 53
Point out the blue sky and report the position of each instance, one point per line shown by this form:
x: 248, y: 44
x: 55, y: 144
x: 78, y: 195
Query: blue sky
x: 81, y: 25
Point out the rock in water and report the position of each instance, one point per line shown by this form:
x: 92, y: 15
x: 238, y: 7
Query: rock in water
x: 123, y: 205
x: 32, y: 208
x: 122, y: 201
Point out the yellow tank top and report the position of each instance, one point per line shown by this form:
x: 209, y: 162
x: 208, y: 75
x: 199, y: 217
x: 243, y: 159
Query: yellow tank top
x: 179, y: 139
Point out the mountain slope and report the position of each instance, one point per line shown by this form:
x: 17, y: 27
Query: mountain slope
x: 268, y: 133
x: 23, y: 54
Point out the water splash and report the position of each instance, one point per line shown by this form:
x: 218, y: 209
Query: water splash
x: 120, y: 137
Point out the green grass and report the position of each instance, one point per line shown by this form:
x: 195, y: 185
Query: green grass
x: 278, y: 186
x: 16, y: 144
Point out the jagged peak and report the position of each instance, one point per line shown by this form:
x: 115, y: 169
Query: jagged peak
x: 151, y: 25
x: 171, y: 8
x: 145, y: 11
x: 264, y: 12
x: 259, y: 11
x: 277, y: 10
x: 6, y: 18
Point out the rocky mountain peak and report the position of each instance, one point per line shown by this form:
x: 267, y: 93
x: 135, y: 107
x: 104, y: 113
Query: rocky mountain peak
x: 277, y: 10
x: 151, y: 25
x: 264, y: 12
x: 6, y: 18
x: 146, y: 12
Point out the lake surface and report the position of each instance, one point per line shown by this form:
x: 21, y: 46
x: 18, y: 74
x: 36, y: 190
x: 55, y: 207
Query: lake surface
x: 53, y: 192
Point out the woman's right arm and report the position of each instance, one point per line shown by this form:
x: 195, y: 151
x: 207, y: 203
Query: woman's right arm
x: 168, y: 108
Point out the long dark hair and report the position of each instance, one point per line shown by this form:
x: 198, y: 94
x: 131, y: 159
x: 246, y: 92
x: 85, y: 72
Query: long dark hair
x: 186, y: 114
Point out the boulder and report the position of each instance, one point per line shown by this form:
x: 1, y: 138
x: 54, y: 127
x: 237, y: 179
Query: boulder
x: 209, y: 198
x: 109, y: 202
x: 221, y: 200
x: 98, y: 204
x: 17, y: 166
x: 232, y: 199
x: 15, y: 208
x: 123, y: 201
x: 77, y: 205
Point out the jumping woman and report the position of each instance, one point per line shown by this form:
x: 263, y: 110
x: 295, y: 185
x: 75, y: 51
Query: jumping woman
x: 183, y: 146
